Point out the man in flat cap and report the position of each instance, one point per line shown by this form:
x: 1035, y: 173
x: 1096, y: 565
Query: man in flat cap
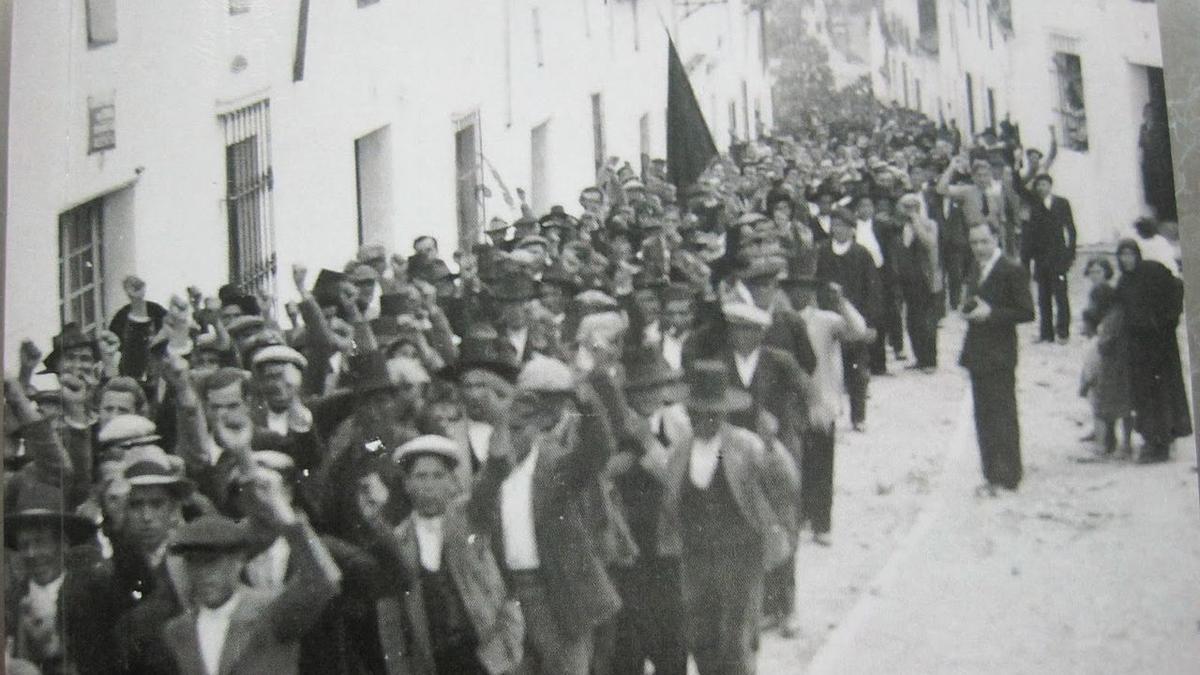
x: 229, y: 627
x: 530, y: 496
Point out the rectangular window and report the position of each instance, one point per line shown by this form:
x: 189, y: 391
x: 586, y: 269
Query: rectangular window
x: 904, y: 70
x: 991, y: 102
x: 917, y: 87
x: 537, y: 36
x: 373, y: 181
x: 239, y: 6
x: 539, y: 152
x: 102, y: 121
x: 745, y: 111
x: 637, y: 26
x: 468, y: 149
x: 599, y: 152
x: 733, y: 134
x: 970, y: 105
x: 248, y: 197
x: 991, y: 42
x: 366, y: 3
x: 101, y: 22
x: 80, y: 250
x: 587, y: 19
x: 1071, y: 111
x: 644, y: 141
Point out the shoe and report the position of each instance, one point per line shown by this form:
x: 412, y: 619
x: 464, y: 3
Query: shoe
x: 1153, y: 458
x: 1064, y: 340
x: 860, y: 427
x: 1043, y: 340
x: 928, y: 370
x: 900, y: 356
x: 822, y: 539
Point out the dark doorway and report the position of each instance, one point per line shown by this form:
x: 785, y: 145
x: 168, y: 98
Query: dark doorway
x: 1154, y: 141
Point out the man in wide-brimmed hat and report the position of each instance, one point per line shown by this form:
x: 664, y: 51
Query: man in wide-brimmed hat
x: 725, y: 488
x: 230, y: 627
x: 532, y: 497
x: 485, y: 381
x: 649, y: 625
x: 59, y: 611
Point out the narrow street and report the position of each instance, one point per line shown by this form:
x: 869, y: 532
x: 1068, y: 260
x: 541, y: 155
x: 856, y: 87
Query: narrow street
x: 1091, y: 567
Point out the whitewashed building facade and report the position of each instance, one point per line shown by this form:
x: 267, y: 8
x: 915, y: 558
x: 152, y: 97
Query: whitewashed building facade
x: 198, y: 142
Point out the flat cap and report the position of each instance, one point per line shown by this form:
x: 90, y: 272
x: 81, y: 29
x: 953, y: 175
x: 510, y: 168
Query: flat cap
x: 211, y: 533
x: 245, y: 324
x: 544, y: 375
x: 128, y: 430
x: 279, y: 354
x: 745, y: 314
x: 438, y: 446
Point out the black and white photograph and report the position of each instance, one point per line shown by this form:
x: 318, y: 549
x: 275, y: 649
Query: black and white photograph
x: 600, y: 337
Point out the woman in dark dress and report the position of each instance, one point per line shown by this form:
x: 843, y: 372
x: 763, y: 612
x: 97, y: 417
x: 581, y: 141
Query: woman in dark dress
x: 1152, y: 299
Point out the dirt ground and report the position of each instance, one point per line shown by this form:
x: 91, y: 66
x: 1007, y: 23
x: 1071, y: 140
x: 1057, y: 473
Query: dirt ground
x: 1092, y: 567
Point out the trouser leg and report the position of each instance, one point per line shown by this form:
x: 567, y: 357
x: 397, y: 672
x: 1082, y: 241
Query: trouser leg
x: 817, y: 478
x: 997, y: 427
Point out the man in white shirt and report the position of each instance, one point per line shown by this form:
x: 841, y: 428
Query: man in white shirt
x: 677, y: 317
x: 544, y: 460
x: 726, y: 488
x: 458, y: 605
x: 827, y: 331
x: 232, y: 628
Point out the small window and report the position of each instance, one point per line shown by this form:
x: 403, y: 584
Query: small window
x: 598, y: 142
x: 637, y: 26
x: 367, y: 3
x: 537, y: 36
x: 80, y: 250
x: 239, y: 6
x: 1071, y: 110
x: 101, y: 22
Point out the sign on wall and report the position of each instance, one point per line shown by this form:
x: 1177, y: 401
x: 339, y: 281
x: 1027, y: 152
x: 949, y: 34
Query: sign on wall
x: 102, y: 130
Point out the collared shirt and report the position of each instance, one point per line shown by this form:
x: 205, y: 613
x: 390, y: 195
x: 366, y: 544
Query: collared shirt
x: 268, y: 570
x: 746, y: 365
x: 517, y: 339
x: 155, y: 559
x: 840, y: 248
x: 989, y: 265
x: 864, y: 234
x: 516, y: 515
x: 479, y: 436
x: 703, y: 464
x: 826, y: 223
x: 212, y: 625
x: 1048, y: 201
x: 652, y: 333
x: 278, y: 422
x: 45, y: 598
x: 672, y: 349
x: 429, y: 540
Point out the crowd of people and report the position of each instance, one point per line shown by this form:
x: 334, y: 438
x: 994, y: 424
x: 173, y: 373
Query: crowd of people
x: 594, y: 445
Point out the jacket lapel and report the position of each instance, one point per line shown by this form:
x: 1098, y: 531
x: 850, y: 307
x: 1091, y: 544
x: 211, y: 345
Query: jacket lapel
x: 180, y: 636
x: 247, y: 617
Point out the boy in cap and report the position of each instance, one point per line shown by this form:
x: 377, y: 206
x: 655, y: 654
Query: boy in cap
x: 457, y: 607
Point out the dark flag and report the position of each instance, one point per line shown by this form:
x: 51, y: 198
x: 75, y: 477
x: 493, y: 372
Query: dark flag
x: 690, y: 146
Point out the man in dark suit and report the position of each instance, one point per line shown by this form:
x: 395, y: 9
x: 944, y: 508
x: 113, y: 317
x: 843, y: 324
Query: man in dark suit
x: 997, y: 300
x: 545, y: 454
x: 1050, y: 244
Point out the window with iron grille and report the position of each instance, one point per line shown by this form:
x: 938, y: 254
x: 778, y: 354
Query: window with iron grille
x: 80, y: 281
x: 248, y: 207
x: 1072, y: 114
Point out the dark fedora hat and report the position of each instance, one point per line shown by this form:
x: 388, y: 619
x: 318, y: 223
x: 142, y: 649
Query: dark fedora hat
x: 709, y: 389
x: 42, y: 506
x: 645, y: 368
x: 72, y: 336
x: 480, y: 350
x: 327, y: 288
x: 211, y: 533
x: 514, y: 288
x: 370, y: 372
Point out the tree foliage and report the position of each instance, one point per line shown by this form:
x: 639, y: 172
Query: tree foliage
x: 800, y: 64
